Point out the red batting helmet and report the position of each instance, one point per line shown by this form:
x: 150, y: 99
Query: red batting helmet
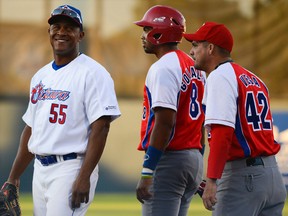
x: 168, y: 24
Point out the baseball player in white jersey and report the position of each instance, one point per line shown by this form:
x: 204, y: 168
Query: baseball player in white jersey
x: 72, y: 102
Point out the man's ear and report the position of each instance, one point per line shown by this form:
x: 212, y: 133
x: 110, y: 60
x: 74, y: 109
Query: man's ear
x: 82, y: 34
x: 211, y: 48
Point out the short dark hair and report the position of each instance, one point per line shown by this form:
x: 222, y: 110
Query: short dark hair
x: 223, y: 52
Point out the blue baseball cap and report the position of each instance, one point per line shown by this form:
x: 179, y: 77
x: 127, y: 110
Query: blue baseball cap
x: 67, y: 11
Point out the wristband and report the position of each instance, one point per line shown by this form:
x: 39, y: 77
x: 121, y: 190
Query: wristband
x: 151, y: 158
x: 147, y: 173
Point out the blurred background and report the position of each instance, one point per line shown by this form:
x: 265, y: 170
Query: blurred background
x: 259, y: 27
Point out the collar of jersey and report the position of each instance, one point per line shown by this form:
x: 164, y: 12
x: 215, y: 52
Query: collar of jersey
x: 57, y: 67
x: 230, y: 60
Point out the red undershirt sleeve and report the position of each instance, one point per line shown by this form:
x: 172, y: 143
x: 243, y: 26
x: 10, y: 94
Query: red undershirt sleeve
x: 219, y: 142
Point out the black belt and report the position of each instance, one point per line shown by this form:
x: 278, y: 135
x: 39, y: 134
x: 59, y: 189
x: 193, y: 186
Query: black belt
x: 251, y: 162
x: 52, y: 159
x: 257, y: 161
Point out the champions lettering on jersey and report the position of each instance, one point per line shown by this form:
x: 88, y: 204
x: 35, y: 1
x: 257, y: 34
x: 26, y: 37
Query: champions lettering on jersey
x: 39, y: 93
x: 190, y: 115
x: 253, y: 129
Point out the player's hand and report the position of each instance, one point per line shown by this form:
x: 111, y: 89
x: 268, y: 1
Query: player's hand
x: 80, y: 192
x: 209, y: 195
x: 142, y: 189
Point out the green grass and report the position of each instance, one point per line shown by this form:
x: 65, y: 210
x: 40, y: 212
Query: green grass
x: 120, y: 205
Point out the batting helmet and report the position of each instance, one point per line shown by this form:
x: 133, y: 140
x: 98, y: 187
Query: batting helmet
x: 168, y: 24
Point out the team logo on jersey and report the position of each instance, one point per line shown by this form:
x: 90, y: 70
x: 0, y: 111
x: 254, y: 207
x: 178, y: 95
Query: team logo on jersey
x: 39, y: 93
x: 110, y: 107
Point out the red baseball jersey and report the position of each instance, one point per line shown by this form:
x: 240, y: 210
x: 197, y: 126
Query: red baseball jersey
x: 173, y: 82
x: 237, y: 98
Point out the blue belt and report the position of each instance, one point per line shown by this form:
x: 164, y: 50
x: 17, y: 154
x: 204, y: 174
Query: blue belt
x: 52, y: 159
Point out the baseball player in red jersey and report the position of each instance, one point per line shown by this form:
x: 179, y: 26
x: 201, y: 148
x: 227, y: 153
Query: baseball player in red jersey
x: 172, y: 118
x: 72, y: 103
x: 241, y: 164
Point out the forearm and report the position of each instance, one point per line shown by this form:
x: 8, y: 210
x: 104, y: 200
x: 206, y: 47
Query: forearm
x: 160, y: 136
x: 95, y: 147
x: 220, y: 142
x: 23, y: 157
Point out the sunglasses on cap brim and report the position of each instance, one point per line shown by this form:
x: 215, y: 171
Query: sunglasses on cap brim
x: 67, y: 12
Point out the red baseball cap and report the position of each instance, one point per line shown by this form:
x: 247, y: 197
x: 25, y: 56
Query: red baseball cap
x: 214, y: 33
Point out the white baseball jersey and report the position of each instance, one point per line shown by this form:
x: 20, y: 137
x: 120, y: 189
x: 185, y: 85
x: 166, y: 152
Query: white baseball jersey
x: 64, y: 102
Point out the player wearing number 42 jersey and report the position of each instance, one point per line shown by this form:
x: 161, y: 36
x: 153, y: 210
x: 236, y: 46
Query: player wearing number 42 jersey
x: 172, y: 118
x: 241, y: 163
